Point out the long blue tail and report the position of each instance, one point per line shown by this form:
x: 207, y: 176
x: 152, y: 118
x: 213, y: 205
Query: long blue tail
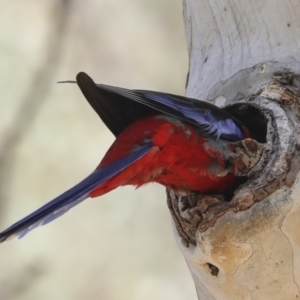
x: 70, y: 198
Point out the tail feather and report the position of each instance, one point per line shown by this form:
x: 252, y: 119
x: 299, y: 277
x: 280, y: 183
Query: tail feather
x: 70, y: 198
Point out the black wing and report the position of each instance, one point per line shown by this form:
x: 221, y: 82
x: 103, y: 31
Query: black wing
x: 118, y: 107
x: 116, y: 111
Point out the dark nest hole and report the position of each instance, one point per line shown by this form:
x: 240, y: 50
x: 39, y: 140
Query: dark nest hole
x: 255, y: 121
x: 250, y: 116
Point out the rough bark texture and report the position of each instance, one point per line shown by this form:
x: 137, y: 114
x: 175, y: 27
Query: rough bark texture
x: 245, y: 55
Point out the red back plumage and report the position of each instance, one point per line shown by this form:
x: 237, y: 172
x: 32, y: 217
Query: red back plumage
x: 178, y: 159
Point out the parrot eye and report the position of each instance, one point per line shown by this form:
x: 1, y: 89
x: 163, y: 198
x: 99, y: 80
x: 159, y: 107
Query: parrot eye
x: 252, y: 118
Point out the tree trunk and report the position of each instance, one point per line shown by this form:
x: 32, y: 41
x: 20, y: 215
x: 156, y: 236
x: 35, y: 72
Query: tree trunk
x: 245, y: 55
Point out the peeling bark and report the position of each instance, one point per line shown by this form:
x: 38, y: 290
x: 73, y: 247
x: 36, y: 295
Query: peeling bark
x: 244, y: 57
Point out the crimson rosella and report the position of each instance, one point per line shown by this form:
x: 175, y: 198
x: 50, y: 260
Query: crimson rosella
x: 182, y: 143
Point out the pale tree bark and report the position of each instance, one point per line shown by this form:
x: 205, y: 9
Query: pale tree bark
x: 245, y: 55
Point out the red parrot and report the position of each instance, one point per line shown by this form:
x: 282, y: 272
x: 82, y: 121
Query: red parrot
x: 182, y: 143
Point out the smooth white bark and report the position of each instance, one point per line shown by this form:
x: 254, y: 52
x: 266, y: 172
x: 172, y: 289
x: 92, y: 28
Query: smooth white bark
x: 235, y: 48
x: 227, y: 36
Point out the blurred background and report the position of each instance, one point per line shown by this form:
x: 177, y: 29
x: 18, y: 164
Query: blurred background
x: 119, y: 246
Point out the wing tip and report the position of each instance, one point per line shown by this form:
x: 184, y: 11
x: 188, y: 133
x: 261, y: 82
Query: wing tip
x: 83, y: 76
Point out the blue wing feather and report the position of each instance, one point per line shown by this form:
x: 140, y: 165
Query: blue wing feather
x: 70, y: 198
x: 212, y: 120
x: 112, y: 105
